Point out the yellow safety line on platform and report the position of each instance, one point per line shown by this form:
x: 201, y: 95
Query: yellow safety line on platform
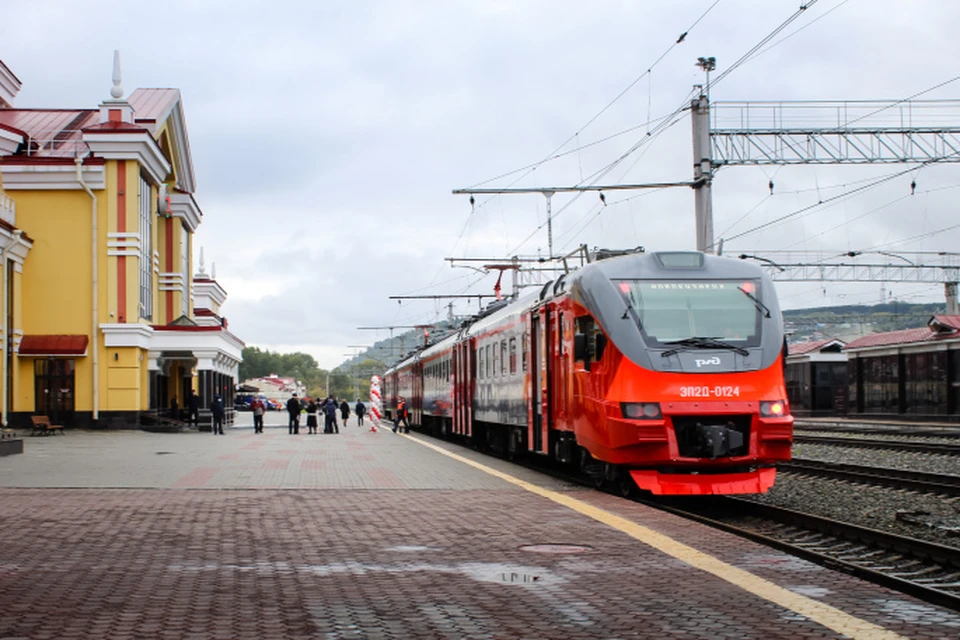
x: 824, y: 614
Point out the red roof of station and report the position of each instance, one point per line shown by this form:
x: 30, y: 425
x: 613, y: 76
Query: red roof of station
x: 53, y: 345
x: 153, y: 105
x: 940, y: 327
x: 801, y: 348
x: 53, y: 132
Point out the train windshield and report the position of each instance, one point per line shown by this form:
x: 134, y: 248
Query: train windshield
x: 668, y: 311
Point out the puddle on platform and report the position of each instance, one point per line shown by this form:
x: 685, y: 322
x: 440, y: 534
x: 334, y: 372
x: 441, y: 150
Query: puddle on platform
x: 556, y: 548
x: 412, y: 548
x: 480, y: 571
x: 919, y: 613
x: 518, y: 577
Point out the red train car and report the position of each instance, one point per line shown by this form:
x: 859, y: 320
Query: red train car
x: 663, y: 371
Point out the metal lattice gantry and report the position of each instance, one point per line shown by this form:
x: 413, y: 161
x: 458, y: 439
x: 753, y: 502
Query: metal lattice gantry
x: 855, y: 266
x: 876, y: 266
x: 834, y: 132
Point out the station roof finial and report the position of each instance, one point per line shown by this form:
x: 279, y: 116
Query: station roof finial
x: 117, y: 90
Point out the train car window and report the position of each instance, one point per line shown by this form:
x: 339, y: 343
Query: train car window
x: 503, y: 357
x: 513, y: 356
x: 670, y: 310
x: 523, y: 352
x: 487, y: 349
x: 584, y: 326
x: 480, y: 363
x: 599, y: 342
x: 560, y: 332
x: 496, y: 361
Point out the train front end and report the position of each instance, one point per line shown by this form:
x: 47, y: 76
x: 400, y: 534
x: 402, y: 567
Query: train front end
x: 689, y: 397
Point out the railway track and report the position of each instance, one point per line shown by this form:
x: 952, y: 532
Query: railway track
x: 942, y: 448
x: 918, y: 431
x: 948, y: 485
x: 927, y: 571
x: 924, y: 570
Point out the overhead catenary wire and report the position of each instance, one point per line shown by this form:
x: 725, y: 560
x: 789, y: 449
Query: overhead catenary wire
x: 528, y: 168
x: 822, y: 202
x: 672, y: 118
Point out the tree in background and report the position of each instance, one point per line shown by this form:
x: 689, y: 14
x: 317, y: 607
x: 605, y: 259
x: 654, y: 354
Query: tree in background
x: 350, y: 382
x: 259, y: 363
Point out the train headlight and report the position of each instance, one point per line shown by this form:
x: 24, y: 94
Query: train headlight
x: 641, y: 410
x: 773, y: 409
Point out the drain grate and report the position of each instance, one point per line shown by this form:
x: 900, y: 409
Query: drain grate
x: 556, y: 548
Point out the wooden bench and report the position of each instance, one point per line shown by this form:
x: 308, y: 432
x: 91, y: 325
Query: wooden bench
x: 42, y: 426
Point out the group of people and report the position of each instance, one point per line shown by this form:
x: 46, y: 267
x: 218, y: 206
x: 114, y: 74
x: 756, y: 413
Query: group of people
x: 328, y: 408
x: 192, y: 407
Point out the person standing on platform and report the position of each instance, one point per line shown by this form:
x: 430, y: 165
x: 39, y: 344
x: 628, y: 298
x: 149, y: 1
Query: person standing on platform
x: 311, y: 416
x: 216, y: 408
x: 258, y: 409
x: 344, y: 411
x: 293, y: 410
x: 193, y: 408
x: 402, y: 416
x: 360, y: 409
x: 330, y: 408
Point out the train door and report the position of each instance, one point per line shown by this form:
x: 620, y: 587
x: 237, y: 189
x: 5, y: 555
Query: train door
x: 463, y: 355
x: 416, y: 403
x: 540, y: 398
x: 456, y: 411
x: 469, y: 371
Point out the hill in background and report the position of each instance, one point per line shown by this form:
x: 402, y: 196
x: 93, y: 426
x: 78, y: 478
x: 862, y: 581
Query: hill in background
x: 849, y: 322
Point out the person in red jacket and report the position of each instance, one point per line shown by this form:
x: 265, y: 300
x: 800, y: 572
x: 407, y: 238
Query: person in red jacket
x: 402, y: 416
x: 258, y: 408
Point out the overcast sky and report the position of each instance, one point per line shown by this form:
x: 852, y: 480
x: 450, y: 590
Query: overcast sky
x: 327, y: 136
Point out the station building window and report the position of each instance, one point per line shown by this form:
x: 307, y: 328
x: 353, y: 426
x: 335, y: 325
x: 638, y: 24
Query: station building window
x: 925, y: 382
x: 881, y: 393
x: 146, y: 251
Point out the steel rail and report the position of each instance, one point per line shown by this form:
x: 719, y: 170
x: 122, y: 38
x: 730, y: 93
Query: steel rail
x: 883, y: 476
x: 896, y: 445
x: 930, y: 572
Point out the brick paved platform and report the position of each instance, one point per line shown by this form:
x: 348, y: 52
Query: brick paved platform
x: 371, y: 536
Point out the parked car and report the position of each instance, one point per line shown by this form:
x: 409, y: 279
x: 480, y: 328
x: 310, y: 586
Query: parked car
x: 242, y: 403
x: 274, y: 405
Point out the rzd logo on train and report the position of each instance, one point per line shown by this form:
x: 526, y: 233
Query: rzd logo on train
x: 715, y: 360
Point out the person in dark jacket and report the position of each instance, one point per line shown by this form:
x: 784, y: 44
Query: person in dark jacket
x: 216, y: 408
x: 193, y: 408
x: 360, y: 409
x: 344, y: 411
x: 330, y: 411
x: 293, y: 410
x: 311, y: 417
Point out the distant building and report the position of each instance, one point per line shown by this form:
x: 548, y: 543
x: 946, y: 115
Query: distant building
x: 912, y: 372
x: 816, y: 378
x: 277, y: 388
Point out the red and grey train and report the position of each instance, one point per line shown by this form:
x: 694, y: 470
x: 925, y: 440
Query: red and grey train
x: 660, y: 369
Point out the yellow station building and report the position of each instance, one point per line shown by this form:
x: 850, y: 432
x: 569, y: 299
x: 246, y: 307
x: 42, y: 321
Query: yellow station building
x: 104, y: 321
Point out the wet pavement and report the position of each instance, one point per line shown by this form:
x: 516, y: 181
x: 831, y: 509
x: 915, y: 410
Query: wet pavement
x: 374, y: 535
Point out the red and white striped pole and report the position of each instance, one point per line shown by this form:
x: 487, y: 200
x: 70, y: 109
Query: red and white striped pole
x: 376, y: 403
